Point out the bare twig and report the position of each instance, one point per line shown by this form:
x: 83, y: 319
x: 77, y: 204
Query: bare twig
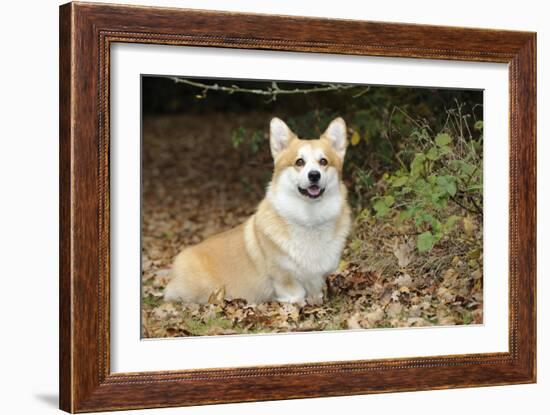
x: 477, y: 209
x: 391, y: 235
x: 272, y: 92
x: 476, y: 206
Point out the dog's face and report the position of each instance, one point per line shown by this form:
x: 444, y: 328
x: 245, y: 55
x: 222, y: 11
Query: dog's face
x: 310, y: 168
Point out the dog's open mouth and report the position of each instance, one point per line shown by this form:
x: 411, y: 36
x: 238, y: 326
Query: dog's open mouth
x: 312, y: 191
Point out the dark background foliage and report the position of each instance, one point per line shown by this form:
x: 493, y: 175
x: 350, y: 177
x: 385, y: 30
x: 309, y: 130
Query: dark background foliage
x: 378, y: 113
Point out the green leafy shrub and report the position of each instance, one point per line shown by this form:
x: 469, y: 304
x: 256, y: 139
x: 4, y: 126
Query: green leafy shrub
x: 441, y: 170
x: 251, y: 140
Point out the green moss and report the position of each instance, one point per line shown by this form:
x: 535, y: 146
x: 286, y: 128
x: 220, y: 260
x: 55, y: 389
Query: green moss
x: 205, y: 328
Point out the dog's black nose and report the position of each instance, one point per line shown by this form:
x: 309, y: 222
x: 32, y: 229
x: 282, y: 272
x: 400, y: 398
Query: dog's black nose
x: 314, y: 175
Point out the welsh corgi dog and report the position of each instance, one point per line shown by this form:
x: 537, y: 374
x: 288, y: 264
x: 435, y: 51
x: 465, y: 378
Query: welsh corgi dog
x: 294, y: 240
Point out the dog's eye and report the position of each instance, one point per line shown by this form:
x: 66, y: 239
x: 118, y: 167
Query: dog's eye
x: 323, y: 162
x: 300, y: 162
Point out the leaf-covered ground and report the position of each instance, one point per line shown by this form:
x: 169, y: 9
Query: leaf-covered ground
x: 195, y: 184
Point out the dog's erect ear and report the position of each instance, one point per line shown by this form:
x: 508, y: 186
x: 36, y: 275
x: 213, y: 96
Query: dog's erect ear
x: 337, y: 135
x: 279, y: 136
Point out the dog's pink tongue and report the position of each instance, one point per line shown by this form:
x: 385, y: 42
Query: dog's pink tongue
x: 313, y: 190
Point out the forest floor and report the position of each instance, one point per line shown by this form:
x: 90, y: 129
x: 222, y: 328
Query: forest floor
x: 195, y: 184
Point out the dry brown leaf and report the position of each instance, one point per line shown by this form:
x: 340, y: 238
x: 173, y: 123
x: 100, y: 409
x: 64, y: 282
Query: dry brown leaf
x: 353, y: 322
x: 445, y: 294
x: 404, y: 280
x: 416, y: 322
x: 449, y: 277
x: 165, y: 310
x: 291, y: 311
x: 374, y: 316
x: 469, y: 226
x: 217, y: 296
x: 393, y: 310
x: 404, y: 253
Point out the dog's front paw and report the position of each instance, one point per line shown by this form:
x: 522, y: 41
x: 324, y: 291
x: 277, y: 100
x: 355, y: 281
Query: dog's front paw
x: 289, y: 290
x: 299, y: 300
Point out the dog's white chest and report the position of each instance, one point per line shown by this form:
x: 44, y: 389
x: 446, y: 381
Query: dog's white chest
x: 313, y: 250
x: 314, y: 242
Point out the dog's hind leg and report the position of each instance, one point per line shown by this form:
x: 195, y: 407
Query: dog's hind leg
x: 190, y: 283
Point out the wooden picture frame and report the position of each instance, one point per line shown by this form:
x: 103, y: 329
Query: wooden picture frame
x: 86, y: 33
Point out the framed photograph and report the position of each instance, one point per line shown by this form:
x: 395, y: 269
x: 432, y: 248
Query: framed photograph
x: 260, y: 207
